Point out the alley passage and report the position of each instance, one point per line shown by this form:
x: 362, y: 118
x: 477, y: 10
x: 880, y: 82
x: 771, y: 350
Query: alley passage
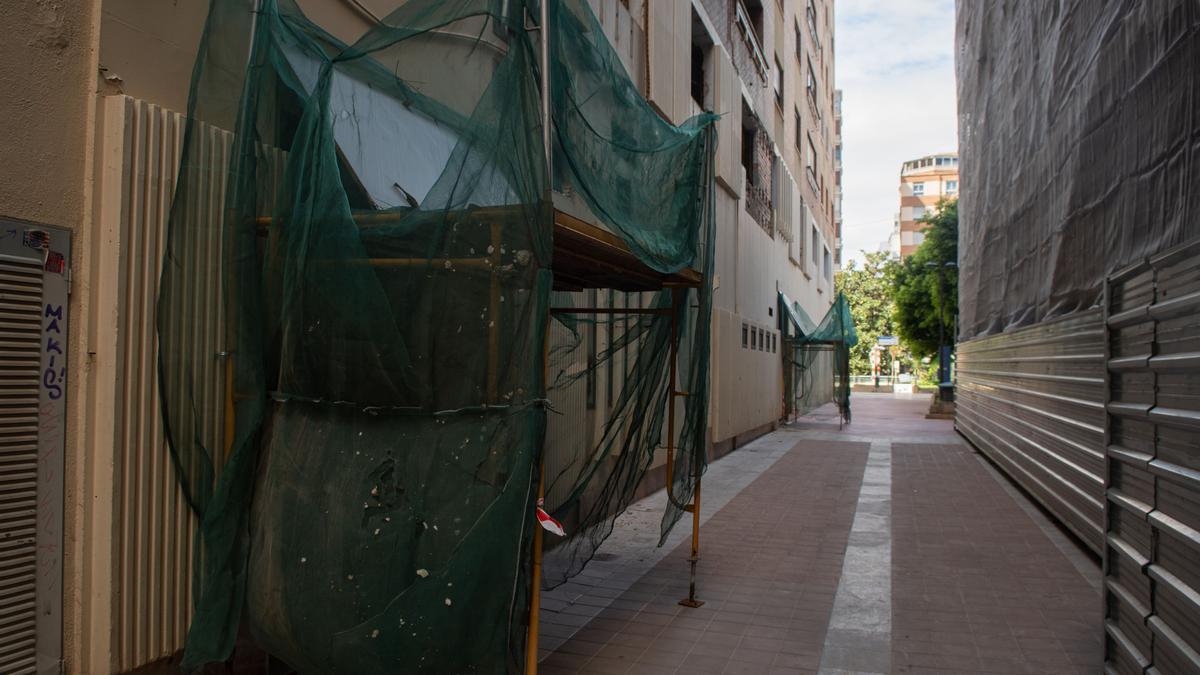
x: 887, y: 546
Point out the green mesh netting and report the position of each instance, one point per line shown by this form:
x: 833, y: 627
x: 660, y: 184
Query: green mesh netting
x: 355, y: 314
x: 816, y: 358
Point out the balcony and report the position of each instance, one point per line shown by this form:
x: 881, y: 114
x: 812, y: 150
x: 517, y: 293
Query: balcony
x: 750, y: 35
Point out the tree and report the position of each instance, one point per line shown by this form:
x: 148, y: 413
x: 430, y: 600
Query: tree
x: 869, y: 291
x: 926, y: 287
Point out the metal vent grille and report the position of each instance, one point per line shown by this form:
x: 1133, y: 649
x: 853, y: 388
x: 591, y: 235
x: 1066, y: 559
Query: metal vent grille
x: 20, y: 360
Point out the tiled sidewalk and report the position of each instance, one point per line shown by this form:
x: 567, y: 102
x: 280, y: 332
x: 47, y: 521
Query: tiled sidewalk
x: 975, y: 587
x: 976, y: 584
x: 768, y: 572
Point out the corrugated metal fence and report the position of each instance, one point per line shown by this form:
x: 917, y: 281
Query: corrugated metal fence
x: 1152, y: 516
x: 152, y: 525
x: 1032, y: 400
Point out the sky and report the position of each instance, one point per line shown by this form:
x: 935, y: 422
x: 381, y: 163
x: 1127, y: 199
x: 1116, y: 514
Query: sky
x: 895, y: 66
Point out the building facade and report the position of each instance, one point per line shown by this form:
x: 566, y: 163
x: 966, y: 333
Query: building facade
x: 767, y: 68
x: 923, y: 183
x: 96, y: 155
x: 837, y: 179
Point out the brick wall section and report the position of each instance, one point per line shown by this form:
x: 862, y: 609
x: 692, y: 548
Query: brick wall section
x: 744, y: 63
x: 758, y: 190
x: 720, y: 13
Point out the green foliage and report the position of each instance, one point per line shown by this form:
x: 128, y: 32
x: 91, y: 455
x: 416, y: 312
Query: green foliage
x: 926, y: 288
x: 925, y: 374
x: 869, y: 291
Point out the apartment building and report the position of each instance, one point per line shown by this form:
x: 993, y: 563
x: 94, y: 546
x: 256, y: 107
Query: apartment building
x: 923, y: 183
x: 767, y: 68
x: 837, y: 179
x: 95, y: 153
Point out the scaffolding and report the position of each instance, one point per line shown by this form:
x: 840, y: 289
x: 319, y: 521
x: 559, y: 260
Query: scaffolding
x: 816, y: 358
x: 395, y: 253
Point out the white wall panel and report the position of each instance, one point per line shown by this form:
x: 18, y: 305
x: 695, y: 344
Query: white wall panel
x: 660, y: 90
x: 729, y: 106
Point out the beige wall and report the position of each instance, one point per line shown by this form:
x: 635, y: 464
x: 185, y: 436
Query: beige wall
x: 45, y: 49
x: 47, y: 123
x: 148, y: 48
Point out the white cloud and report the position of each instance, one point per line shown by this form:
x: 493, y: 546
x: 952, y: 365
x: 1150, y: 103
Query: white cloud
x: 895, y: 67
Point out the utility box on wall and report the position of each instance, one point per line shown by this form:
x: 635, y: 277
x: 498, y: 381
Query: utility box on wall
x: 35, y: 277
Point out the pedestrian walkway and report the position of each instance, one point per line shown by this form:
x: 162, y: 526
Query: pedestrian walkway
x: 886, y: 546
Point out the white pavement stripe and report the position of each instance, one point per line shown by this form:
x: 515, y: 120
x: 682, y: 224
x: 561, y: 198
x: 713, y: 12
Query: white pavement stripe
x: 859, y: 636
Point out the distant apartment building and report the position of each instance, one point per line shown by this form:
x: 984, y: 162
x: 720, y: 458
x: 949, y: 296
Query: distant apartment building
x: 923, y: 183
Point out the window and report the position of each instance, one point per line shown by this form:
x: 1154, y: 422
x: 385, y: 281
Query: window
x: 918, y: 189
x: 749, y: 130
x: 811, y: 86
x: 777, y: 81
x: 918, y: 212
x: 702, y: 45
x: 810, y: 162
x: 748, y: 15
x: 811, y: 13
x: 828, y: 265
x: 815, y: 243
x: 745, y: 335
x: 799, y: 45
x: 754, y: 338
x: 799, y: 126
x: 754, y: 10
x: 951, y: 187
x: 918, y: 237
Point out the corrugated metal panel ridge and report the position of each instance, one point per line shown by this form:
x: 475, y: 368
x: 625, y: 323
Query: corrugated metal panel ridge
x: 154, y: 524
x: 20, y: 361
x: 1032, y: 400
x: 1152, y: 519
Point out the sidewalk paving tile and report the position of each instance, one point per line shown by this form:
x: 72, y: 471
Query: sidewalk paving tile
x: 977, y: 586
